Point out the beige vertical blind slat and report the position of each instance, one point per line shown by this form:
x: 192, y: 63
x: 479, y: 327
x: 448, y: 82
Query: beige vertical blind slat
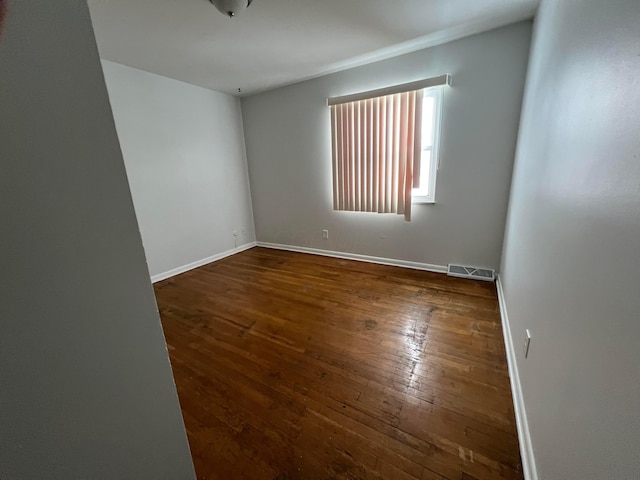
x: 345, y: 158
x: 370, y: 155
x: 402, y: 151
x: 351, y: 155
x: 387, y: 154
x: 382, y: 182
x: 356, y: 159
x: 417, y: 132
x: 395, y: 155
x: 409, y: 146
x: 337, y: 182
x: 356, y: 156
x: 375, y: 127
x: 334, y: 154
x: 365, y: 157
x: 359, y: 181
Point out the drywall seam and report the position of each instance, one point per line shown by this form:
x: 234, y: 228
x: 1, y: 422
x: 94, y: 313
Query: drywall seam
x: 199, y: 263
x: 524, y: 436
x: 355, y: 256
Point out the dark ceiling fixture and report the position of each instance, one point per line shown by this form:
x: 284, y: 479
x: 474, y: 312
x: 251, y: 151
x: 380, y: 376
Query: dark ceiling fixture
x: 231, y: 8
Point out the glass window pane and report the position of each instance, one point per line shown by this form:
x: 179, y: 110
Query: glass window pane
x: 428, y: 105
x: 425, y: 173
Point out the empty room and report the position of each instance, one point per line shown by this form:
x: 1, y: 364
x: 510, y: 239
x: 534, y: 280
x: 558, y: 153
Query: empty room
x: 357, y: 239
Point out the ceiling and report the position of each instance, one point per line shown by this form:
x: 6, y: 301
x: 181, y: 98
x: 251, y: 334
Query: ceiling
x: 278, y: 42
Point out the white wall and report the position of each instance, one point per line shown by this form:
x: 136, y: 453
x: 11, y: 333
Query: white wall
x: 183, y: 148
x: 571, y: 266
x: 85, y: 383
x: 288, y: 147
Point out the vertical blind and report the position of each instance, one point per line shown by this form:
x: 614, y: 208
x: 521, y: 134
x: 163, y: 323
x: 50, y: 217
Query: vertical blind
x: 376, y: 147
x: 376, y: 153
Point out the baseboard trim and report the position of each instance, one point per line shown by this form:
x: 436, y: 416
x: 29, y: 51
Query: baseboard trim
x: 199, y: 263
x: 356, y: 256
x: 524, y: 436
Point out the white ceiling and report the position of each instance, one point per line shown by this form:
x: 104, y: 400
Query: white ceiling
x: 278, y: 42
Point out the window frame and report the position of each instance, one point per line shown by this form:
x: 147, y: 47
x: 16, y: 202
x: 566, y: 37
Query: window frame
x: 437, y: 93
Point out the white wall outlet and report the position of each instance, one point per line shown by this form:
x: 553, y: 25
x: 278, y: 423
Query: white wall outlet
x: 325, y: 234
x: 244, y: 233
x: 527, y: 342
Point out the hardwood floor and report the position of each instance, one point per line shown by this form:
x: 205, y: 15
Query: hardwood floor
x: 295, y: 366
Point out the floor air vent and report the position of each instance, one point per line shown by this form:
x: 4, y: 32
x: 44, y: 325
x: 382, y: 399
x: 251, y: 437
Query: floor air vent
x: 471, y: 272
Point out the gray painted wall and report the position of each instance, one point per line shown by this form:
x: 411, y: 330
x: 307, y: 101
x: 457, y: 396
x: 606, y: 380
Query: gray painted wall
x: 287, y: 134
x: 571, y: 266
x: 183, y: 148
x: 85, y: 383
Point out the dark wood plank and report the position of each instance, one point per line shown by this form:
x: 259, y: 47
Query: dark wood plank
x: 294, y: 366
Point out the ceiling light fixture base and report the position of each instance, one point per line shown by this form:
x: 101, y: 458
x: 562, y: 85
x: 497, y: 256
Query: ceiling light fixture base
x: 231, y: 8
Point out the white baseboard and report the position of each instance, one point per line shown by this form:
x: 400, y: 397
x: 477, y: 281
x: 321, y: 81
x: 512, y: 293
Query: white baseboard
x: 524, y: 437
x: 356, y: 256
x: 199, y: 263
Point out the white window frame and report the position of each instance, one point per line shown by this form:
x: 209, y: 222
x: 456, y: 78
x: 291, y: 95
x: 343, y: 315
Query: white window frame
x: 437, y: 94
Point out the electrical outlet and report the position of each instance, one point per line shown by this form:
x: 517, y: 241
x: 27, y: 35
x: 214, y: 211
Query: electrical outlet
x: 527, y: 342
x: 244, y: 233
x: 325, y: 234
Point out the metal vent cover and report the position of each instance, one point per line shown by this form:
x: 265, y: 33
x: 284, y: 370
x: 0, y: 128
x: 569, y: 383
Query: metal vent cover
x: 471, y: 272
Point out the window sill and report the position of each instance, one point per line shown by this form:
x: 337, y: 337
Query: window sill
x: 422, y: 201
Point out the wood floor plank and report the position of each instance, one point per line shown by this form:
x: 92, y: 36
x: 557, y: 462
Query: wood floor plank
x: 295, y: 366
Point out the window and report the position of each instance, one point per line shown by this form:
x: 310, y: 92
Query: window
x: 431, y: 110
x: 384, y: 147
